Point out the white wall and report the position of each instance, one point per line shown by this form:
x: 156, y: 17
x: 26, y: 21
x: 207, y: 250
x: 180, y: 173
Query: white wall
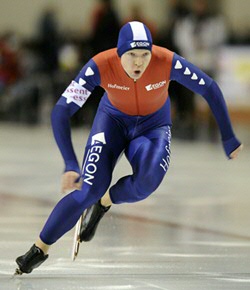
x: 238, y: 13
x: 22, y: 15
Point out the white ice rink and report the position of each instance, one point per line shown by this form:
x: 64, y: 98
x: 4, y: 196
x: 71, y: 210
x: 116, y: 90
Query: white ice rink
x: 192, y: 234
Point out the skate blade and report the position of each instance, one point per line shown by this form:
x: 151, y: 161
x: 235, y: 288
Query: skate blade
x: 75, y: 251
x: 76, y: 241
x: 18, y: 272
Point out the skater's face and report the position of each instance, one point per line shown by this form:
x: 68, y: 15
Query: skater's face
x: 135, y: 62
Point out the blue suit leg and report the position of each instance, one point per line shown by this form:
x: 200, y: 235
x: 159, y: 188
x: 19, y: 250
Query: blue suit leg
x: 101, y: 154
x: 149, y: 156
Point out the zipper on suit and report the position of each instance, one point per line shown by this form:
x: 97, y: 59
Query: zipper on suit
x: 136, y: 97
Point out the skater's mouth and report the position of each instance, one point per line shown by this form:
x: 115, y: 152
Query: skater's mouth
x: 137, y: 73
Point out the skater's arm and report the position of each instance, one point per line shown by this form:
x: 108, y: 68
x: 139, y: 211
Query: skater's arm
x: 60, y: 120
x: 196, y: 80
x: 72, y: 99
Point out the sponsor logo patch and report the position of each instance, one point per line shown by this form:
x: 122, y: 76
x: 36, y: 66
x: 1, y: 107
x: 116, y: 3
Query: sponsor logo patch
x: 156, y: 86
x: 166, y: 160
x: 92, y: 158
x: 140, y: 44
x: 115, y: 86
x: 76, y: 93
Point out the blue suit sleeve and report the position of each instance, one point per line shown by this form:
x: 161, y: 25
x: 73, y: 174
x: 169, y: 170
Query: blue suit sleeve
x: 72, y: 99
x: 196, y: 80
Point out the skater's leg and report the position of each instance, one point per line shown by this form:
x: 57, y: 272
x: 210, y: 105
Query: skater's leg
x: 101, y: 154
x: 105, y: 144
x: 69, y: 209
x: 149, y: 156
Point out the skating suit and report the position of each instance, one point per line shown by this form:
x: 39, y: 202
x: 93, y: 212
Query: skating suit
x: 133, y: 118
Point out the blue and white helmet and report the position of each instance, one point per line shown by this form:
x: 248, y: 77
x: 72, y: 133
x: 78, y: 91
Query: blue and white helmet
x: 134, y: 35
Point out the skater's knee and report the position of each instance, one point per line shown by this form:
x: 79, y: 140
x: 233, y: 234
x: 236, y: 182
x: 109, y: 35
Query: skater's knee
x: 144, y: 188
x: 134, y: 188
x: 140, y: 194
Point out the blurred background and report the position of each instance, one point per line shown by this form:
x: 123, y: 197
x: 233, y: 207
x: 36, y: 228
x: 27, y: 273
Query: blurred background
x: 196, y: 227
x: 43, y: 45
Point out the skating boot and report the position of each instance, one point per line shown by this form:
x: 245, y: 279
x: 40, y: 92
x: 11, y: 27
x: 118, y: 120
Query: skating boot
x: 31, y: 260
x: 91, y: 220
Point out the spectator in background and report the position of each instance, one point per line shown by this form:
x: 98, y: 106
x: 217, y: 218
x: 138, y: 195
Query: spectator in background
x: 177, y: 10
x: 199, y: 37
x: 10, y: 70
x: 105, y: 25
x: 26, y: 98
x: 9, y: 61
x: 182, y: 100
x: 49, y: 40
x: 105, y: 30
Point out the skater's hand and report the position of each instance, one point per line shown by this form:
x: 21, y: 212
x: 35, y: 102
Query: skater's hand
x: 236, y: 152
x: 70, y: 181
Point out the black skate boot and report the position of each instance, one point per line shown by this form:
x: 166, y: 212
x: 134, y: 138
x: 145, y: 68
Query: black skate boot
x: 91, y: 220
x: 31, y: 260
